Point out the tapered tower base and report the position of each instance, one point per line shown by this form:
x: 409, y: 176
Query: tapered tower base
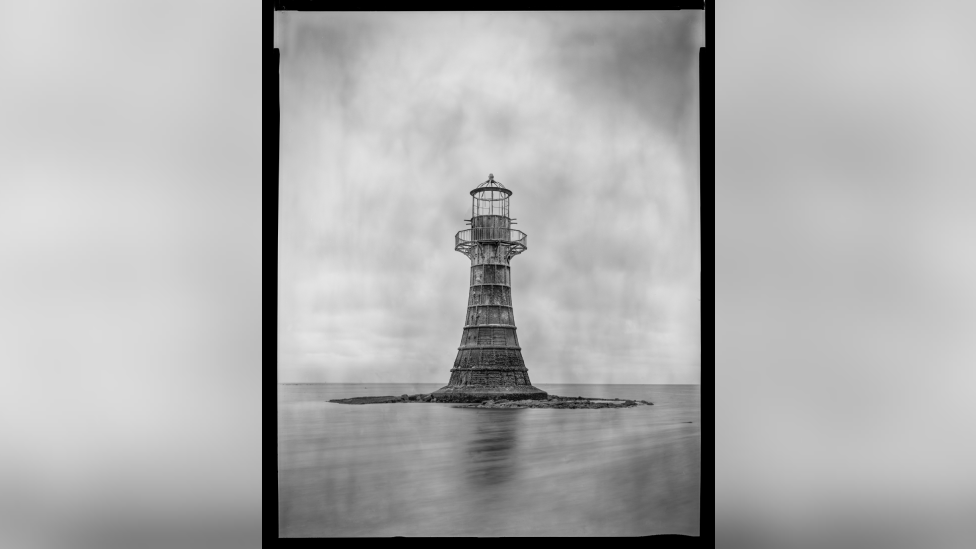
x: 474, y: 393
x: 489, y: 363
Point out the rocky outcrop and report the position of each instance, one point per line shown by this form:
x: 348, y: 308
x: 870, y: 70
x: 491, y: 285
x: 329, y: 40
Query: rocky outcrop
x: 561, y: 402
x: 481, y: 393
x: 367, y: 400
x: 501, y: 401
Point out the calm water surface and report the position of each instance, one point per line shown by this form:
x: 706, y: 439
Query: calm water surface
x: 435, y: 470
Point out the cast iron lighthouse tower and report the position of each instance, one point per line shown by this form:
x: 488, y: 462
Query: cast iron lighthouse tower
x: 489, y: 362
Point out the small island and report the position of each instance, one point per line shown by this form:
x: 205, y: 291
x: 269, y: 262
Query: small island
x: 551, y: 401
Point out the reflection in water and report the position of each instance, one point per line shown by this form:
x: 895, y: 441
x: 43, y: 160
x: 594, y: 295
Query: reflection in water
x: 490, y: 448
x: 435, y: 470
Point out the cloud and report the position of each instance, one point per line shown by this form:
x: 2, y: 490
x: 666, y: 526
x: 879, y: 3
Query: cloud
x: 388, y: 120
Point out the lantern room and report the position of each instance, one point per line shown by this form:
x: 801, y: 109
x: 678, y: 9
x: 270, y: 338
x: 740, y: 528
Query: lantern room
x: 489, y: 211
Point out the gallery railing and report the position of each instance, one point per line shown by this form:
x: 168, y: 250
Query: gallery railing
x: 467, y: 238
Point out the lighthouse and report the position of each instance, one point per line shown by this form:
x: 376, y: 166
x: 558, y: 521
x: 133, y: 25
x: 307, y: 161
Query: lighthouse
x: 489, y: 361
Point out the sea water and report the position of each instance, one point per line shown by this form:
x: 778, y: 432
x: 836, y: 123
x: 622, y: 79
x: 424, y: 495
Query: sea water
x: 431, y: 469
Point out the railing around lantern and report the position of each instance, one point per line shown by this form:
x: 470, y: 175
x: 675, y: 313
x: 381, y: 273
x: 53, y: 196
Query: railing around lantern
x: 467, y: 238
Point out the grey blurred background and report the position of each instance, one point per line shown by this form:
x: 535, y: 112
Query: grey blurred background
x: 130, y: 256
x: 388, y: 120
x: 845, y: 272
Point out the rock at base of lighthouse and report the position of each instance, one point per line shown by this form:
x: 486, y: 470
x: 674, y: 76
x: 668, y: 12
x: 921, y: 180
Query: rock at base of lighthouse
x: 475, y: 393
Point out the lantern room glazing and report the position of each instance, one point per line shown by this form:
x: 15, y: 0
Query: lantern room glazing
x: 489, y: 211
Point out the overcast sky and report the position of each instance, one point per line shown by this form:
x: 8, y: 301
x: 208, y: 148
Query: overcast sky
x: 388, y: 120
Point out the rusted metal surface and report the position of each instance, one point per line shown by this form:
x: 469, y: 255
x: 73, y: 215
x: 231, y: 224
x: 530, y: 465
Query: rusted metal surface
x: 490, y: 357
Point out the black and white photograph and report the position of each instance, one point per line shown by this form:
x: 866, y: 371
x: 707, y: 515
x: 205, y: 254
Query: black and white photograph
x: 489, y: 274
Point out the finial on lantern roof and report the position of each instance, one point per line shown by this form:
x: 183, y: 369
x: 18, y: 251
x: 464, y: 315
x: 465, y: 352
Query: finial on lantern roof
x: 491, y: 177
